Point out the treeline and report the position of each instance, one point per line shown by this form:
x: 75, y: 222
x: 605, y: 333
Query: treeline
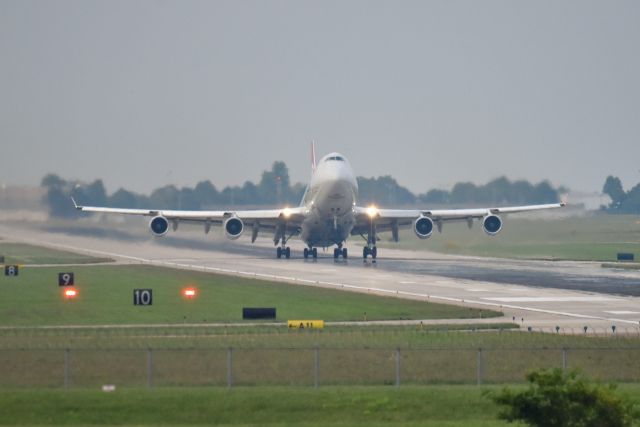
x: 623, y: 202
x: 385, y: 191
x: 275, y: 189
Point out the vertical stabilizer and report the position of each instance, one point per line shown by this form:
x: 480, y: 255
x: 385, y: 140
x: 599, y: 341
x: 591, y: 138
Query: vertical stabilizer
x: 313, y: 157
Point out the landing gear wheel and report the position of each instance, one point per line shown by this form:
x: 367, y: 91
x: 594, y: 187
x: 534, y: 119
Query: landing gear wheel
x: 374, y: 252
x: 279, y: 252
x: 365, y: 252
x: 335, y: 253
x: 305, y: 253
x: 287, y: 252
x: 344, y: 253
x: 314, y: 253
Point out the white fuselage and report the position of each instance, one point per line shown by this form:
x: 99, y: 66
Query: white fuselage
x: 330, y: 200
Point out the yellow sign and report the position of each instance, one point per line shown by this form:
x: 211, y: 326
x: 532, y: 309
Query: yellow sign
x: 305, y: 324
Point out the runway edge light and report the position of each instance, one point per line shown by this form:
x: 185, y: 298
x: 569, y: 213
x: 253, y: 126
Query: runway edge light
x: 189, y: 292
x: 70, y: 293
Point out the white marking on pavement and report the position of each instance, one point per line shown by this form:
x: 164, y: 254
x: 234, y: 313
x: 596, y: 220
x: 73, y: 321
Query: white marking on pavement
x: 550, y: 299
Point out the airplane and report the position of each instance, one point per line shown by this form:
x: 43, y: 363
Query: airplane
x: 327, y: 215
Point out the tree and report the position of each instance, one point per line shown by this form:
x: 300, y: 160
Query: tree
x: 464, y: 192
x: 124, y: 199
x: 556, y: 399
x: 613, y: 188
x: 435, y: 196
x: 207, y: 194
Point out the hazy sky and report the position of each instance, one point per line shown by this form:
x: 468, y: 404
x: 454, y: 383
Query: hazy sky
x: 146, y: 93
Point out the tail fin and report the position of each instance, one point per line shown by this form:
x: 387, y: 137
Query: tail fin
x: 313, y: 156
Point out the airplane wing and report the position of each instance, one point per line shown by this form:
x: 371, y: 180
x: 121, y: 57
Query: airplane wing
x: 424, y: 220
x: 280, y: 221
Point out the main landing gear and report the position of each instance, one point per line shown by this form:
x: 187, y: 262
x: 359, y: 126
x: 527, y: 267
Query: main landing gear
x: 283, y: 251
x: 370, y: 248
x: 340, y: 251
x: 373, y: 251
x: 310, y: 252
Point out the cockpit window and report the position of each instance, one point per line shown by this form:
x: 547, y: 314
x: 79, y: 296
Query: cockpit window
x: 338, y: 158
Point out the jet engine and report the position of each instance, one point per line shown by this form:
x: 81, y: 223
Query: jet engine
x: 233, y: 228
x: 423, y: 227
x: 492, y: 224
x: 159, y: 225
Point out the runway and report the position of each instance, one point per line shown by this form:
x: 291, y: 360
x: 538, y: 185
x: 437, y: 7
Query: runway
x: 537, y: 294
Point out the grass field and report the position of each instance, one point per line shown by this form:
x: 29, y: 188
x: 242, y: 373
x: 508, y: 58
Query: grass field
x: 21, y: 254
x: 448, y: 406
x: 105, y: 296
x: 437, y: 406
x: 596, y: 237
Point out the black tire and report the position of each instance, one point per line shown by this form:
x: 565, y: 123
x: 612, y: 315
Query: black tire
x: 374, y: 252
x: 365, y: 252
x: 279, y: 252
x: 287, y: 252
x: 344, y: 253
x: 305, y: 253
x: 315, y: 253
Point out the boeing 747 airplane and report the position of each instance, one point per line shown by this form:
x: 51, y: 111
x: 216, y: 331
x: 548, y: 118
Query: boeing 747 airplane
x: 326, y: 217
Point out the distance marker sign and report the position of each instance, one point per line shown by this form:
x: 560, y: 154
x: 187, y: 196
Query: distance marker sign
x: 11, y: 270
x: 143, y: 297
x: 65, y: 279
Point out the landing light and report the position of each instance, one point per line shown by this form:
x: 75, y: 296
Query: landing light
x: 286, y: 212
x: 372, y: 211
x: 70, y: 293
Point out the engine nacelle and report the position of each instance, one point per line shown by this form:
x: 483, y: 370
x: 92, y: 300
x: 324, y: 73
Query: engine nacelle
x: 492, y: 224
x: 233, y: 228
x: 423, y: 227
x: 159, y: 225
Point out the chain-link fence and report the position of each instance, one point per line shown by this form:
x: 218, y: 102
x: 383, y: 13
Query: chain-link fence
x: 313, y: 367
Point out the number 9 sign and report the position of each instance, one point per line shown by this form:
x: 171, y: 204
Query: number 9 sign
x: 65, y: 279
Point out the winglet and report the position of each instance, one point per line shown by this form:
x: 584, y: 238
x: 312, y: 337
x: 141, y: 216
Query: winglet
x: 75, y: 205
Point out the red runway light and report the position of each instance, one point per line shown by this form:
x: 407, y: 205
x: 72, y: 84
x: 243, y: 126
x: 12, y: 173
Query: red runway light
x: 189, y: 292
x: 70, y: 293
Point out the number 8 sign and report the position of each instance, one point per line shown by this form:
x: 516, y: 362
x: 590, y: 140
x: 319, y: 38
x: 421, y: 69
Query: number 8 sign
x: 11, y: 270
x: 65, y: 279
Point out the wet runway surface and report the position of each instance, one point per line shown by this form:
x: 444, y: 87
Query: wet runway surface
x: 488, y: 270
x: 543, y: 275
x: 609, y: 284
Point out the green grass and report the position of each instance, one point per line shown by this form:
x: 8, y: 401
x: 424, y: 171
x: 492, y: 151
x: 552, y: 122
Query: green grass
x: 448, y: 406
x: 23, y: 254
x: 366, y: 406
x: 105, y: 296
x: 597, y: 238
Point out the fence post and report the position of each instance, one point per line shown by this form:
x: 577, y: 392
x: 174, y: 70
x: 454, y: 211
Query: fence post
x: 66, y: 368
x: 564, y: 359
x: 316, y: 367
x: 229, y: 367
x: 149, y: 368
x: 479, y: 367
x: 397, y: 366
